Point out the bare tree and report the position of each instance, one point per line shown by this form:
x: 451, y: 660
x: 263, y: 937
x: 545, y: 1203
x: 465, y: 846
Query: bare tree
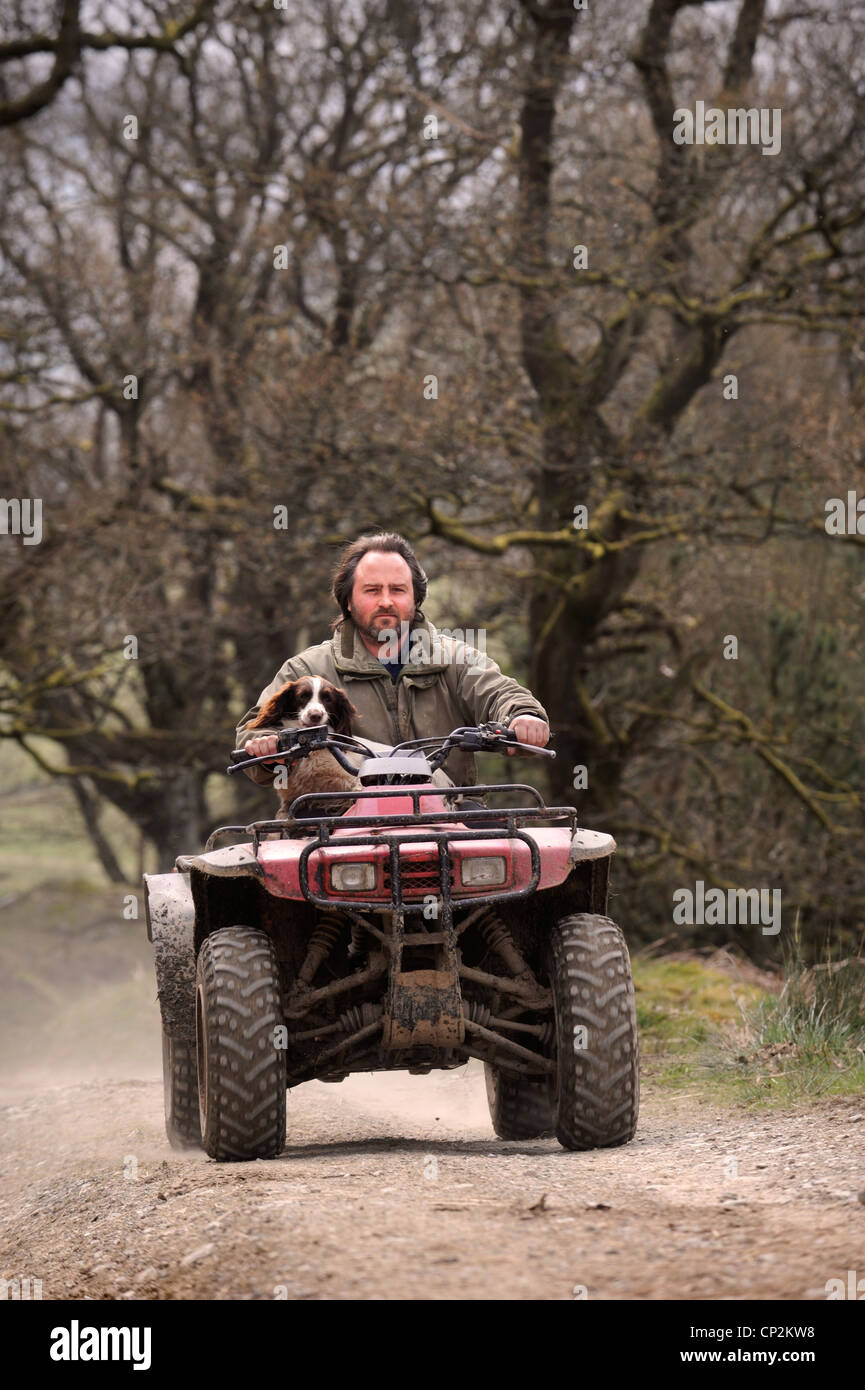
x: 68, y: 41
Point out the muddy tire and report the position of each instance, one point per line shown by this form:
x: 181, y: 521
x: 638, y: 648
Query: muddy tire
x: 520, y: 1106
x: 180, y: 1090
x: 241, y: 1073
x: 596, y: 1093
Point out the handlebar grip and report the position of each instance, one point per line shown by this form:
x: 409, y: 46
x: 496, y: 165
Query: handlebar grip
x: 240, y: 758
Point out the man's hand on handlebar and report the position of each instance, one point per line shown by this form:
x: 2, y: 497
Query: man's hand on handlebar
x: 527, y: 728
x: 260, y: 747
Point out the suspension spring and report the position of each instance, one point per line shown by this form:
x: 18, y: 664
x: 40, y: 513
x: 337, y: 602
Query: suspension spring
x: 356, y: 945
x: 498, y: 937
x: 493, y: 929
x: 324, y: 936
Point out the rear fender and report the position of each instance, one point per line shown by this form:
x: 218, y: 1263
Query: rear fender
x: 170, y: 915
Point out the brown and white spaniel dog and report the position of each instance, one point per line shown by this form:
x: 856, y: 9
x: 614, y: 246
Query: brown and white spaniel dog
x: 302, y: 704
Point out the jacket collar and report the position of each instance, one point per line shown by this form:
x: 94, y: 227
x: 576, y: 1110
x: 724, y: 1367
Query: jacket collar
x: 352, y: 657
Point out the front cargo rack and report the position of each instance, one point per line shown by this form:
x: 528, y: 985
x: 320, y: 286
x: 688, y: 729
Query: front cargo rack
x: 321, y: 826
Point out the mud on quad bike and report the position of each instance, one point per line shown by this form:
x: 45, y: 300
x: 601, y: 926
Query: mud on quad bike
x: 401, y: 933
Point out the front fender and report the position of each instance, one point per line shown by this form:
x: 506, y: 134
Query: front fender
x: 590, y: 858
x: 591, y: 844
x: 170, y: 916
x: 232, y: 861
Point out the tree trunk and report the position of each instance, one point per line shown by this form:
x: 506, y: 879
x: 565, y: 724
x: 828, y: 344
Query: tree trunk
x: 174, y: 823
x: 88, y: 805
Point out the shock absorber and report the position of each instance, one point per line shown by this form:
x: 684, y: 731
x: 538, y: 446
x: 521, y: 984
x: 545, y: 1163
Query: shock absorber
x: 498, y: 937
x: 357, y: 945
x: 324, y: 935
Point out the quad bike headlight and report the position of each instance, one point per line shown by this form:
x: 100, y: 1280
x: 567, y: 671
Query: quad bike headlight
x: 352, y: 878
x: 487, y: 870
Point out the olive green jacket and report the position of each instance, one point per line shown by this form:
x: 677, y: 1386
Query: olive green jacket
x: 457, y: 685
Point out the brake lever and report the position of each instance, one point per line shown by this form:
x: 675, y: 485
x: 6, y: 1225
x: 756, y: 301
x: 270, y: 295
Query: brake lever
x: 291, y: 745
x: 490, y: 738
x: 533, y: 748
x: 495, y: 738
x: 241, y: 759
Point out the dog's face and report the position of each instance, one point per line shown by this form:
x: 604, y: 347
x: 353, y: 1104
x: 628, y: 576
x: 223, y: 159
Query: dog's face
x: 309, y: 701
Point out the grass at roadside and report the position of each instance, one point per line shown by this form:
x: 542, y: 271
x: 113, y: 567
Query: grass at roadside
x: 755, y: 1041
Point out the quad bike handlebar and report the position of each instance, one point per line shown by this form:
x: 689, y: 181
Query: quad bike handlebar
x: 473, y: 738
x: 294, y: 744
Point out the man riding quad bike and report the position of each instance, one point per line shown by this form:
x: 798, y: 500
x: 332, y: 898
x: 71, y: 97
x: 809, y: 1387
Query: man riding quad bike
x: 413, y: 930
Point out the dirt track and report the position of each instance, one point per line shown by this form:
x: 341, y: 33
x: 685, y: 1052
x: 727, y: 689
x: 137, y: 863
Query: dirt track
x: 391, y: 1186
x: 394, y: 1187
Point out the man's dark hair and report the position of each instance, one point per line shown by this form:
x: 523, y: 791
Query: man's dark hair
x: 343, y: 578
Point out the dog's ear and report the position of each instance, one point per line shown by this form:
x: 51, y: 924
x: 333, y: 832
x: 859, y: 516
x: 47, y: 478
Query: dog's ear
x: 341, y: 712
x: 282, y: 705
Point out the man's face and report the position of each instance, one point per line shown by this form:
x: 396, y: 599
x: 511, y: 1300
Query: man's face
x: 382, y: 595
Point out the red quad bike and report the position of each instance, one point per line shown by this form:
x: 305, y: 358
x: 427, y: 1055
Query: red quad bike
x: 397, y: 934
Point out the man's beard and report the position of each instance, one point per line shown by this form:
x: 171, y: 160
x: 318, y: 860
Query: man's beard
x: 383, y: 631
